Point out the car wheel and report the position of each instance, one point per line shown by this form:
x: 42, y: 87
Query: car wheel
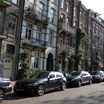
x: 63, y: 87
x: 1, y: 95
x: 79, y: 83
x: 41, y: 90
x: 90, y: 82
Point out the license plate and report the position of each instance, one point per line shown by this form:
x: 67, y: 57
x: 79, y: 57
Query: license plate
x: 19, y: 89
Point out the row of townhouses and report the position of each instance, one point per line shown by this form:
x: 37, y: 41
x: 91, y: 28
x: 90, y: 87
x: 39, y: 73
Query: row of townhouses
x: 46, y: 31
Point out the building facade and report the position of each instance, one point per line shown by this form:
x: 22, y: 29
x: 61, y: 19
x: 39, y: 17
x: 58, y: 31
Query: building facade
x: 10, y: 29
x: 39, y: 31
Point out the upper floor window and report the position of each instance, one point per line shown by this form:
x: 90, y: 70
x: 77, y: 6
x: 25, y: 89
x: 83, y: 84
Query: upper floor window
x: 39, y: 34
x: 32, y: 1
x: 53, y: 1
x: 29, y: 31
x: 68, y: 7
x: 67, y: 41
x: 75, y: 11
x: 12, y: 25
x: 67, y: 21
x: 75, y: 24
x: 63, y: 4
x: 63, y: 17
x: 52, y: 11
x: 15, y: 1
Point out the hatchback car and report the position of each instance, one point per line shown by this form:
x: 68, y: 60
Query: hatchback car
x: 79, y: 78
x: 41, y: 82
x: 97, y: 76
x: 5, y: 87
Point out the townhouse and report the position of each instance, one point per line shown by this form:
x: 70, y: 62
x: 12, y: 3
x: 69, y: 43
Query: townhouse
x: 39, y: 31
x: 9, y: 31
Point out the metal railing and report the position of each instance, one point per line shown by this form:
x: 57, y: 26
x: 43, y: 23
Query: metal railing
x: 33, y: 13
x: 63, y: 26
x: 34, y: 41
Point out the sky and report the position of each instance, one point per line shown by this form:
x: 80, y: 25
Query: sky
x: 95, y: 5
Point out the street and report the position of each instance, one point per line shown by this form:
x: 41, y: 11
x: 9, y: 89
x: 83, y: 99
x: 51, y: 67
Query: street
x: 87, y: 94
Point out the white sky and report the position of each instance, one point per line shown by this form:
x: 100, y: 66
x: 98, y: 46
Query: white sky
x: 95, y: 5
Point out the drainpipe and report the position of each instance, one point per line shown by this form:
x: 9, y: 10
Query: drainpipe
x: 20, y: 12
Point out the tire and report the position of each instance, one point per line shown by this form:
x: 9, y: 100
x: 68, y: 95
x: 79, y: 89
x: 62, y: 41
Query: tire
x: 1, y: 95
x: 79, y: 84
x: 63, y: 87
x: 41, y: 90
x: 90, y: 82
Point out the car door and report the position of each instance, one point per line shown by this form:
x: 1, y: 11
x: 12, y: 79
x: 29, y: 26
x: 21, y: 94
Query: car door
x: 83, y: 77
x: 52, y: 81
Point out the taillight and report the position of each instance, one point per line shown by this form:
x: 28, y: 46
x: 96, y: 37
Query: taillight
x: 9, y: 82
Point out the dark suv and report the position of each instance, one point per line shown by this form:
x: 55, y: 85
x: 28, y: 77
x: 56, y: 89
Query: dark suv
x: 5, y: 87
x: 79, y: 78
x: 41, y: 82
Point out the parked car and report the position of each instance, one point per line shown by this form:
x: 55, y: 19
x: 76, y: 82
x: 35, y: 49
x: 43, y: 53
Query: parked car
x: 79, y: 78
x: 5, y: 87
x: 41, y: 82
x: 97, y: 76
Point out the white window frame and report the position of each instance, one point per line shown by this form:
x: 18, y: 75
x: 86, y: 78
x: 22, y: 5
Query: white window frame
x: 13, y: 21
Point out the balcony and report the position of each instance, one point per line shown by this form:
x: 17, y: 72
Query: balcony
x: 5, y: 3
x: 67, y: 28
x: 36, y: 16
x: 65, y: 49
x: 38, y: 43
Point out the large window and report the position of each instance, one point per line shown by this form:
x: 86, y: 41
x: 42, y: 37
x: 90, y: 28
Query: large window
x: 75, y: 11
x: 68, y: 21
x: 29, y: 31
x: 41, y: 10
x: 51, y: 37
x: 39, y: 34
x: 12, y: 25
x: 52, y: 14
x: 68, y: 7
x: 36, y: 60
x: 63, y: 17
x: 63, y: 4
x: 67, y: 41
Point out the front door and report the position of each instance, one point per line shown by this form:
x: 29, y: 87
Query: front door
x: 7, y: 71
x: 50, y: 62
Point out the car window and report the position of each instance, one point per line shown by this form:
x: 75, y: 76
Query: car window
x: 75, y: 73
x: 52, y: 76
x: 58, y: 75
x: 40, y: 75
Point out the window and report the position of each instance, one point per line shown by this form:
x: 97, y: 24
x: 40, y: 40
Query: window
x: 15, y: 1
x: 75, y: 11
x: 67, y: 41
x: 63, y: 17
x: 12, y: 25
x: 67, y: 21
x: 58, y: 75
x: 36, y: 59
x: 41, y: 10
x: 51, y: 76
x: 28, y: 31
x: 50, y: 37
x: 68, y: 7
x: 63, y: 4
x: 75, y: 24
x: 52, y: 15
x: 53, y: 1
x: 10, y: 49
x: 32, y: 1
x: 39, y: 34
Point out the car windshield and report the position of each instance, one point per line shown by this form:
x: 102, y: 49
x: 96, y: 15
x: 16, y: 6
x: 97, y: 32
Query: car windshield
x: 40, y: 75
x: 95, y: 73
x: 75, y: 73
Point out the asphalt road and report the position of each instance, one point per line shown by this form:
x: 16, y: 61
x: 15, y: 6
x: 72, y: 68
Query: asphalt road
x: 88, y: 94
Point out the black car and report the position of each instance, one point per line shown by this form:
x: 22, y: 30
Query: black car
x: 79, y: 78
x: 5, y: 87
x: 41, y: 82
x: 97, y: 76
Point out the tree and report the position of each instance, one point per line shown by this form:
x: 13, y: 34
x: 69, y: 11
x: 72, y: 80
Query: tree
x: 22, y: 73
x: 80, y: 38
